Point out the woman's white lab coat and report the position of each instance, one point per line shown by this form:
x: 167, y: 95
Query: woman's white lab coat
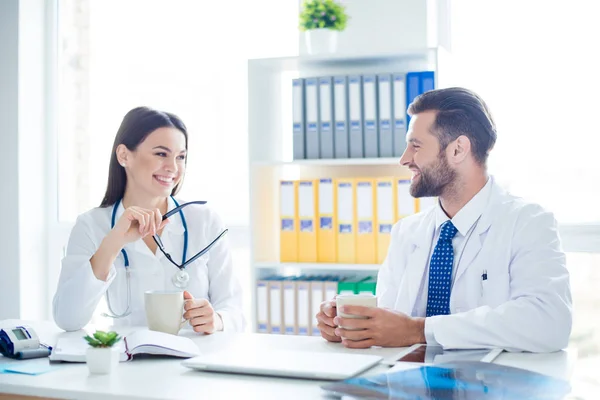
x: 211, y: 276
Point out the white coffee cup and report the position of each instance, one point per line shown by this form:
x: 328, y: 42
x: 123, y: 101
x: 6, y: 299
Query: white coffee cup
x: 362, y: 299
x: 164, y: 310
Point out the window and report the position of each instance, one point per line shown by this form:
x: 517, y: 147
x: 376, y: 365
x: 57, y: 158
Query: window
x: 186, y: 57
x: 533, y: 62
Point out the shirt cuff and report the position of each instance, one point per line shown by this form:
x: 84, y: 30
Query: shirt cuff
x: 429, y: 336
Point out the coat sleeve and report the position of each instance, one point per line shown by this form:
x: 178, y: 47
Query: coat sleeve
x: 79, y: 291
x: 225, y: 291
x: 538, y: 315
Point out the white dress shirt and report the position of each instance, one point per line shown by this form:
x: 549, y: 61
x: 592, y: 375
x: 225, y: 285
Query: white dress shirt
x: 211, y: 276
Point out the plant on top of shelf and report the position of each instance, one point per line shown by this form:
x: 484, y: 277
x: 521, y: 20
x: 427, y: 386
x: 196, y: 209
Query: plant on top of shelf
x: 328, y: 14
x: 321, y: 20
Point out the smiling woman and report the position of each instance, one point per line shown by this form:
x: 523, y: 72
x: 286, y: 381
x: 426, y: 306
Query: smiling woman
x: 112, y: 249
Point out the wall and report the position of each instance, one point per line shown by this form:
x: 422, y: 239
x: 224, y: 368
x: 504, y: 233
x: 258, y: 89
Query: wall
x: 386, y: 26
x: 9, y: 200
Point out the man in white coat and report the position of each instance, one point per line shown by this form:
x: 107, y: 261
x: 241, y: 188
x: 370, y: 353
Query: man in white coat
x: 481, y: 269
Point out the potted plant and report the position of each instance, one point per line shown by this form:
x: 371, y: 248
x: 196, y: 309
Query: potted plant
x: 101, y: 357
x: 321, y: 20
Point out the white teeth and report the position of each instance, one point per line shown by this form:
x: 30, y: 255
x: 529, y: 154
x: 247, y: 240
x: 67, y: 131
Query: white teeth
x: 163, y: 179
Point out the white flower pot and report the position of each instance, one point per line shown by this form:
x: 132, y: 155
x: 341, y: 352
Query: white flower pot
x: 102, y: 360
x: 321, y: 41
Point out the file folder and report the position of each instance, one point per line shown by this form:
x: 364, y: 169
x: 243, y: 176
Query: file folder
x: 367, y: 286
x: 276, y: 305
x: 346, y: 220
x: 405, y: 203
x: 371, y: 135
x: 262, y: 306
x: 399, y: 115
x: 326, y: 235
x: 288, y: 240
x: 349, y: 285
x: 303, y: 306
x: 413, y: 89
x: 340, y: 101
x: 427, y: 81
x: 317, y: 297
x: 386, y: 215
x: 326, y: 117
x: 386, y: 138
x: 290, y: 309
x: 366, y: 244
x: 331, y: 288
x: 307, y: 216
x: 356, y: 116
x: 298, y: 119
x: 312, y: 118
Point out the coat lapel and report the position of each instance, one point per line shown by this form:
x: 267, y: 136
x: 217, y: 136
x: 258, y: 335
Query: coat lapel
x: 418, y: 261
x: 475, y: 242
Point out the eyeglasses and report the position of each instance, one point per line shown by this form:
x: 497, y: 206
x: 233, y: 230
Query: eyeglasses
x: 184, y: 263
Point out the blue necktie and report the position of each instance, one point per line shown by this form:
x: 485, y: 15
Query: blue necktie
x: 440, y: 273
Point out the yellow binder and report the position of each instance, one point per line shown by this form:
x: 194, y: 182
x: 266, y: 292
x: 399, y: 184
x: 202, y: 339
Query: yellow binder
x: 366, y: 241
x: 307, y: 216
x: 288, y: 239
x: 386, y: 215
x: 346, y: 220
x: 405, y: 204
x: 326, y: 233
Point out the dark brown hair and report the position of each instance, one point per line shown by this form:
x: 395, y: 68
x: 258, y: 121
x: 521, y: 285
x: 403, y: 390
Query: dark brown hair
x: 459, y: 112
x: 135, y: 127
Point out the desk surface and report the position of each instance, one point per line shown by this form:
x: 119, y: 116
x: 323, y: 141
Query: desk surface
x: 167, y: 379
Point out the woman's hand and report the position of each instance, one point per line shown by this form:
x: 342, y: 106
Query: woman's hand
x: 201, y: 314
x: 136, y: 223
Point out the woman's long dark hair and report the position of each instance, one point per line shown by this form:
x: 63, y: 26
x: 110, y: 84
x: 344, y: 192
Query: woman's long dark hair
x: 137, y: 124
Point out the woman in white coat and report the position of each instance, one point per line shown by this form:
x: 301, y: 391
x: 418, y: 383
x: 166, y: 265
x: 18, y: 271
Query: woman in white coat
x: 125, y: 247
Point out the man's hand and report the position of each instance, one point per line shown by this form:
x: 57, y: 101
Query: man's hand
x: 325, y: 317
x: 383, y: 327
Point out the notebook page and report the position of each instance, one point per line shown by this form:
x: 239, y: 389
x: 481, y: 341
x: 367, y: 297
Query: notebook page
x: 159, y: 343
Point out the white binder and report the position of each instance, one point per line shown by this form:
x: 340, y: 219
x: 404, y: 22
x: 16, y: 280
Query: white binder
x: 312, y: 118
x: 298, y: 119
x: 340, y: 101
x: 399, y: 104
x: 370, y: 131
x: 386, y: 138
x: 355, y: 110
x: 326, y: 117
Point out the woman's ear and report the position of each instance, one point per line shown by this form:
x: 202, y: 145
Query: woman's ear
x: 122, y: 154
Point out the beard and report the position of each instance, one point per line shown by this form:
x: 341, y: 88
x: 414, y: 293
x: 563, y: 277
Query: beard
x: 433, y: 179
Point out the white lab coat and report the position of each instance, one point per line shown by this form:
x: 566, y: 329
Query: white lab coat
x: 524, y: 305
x: 211, y: 276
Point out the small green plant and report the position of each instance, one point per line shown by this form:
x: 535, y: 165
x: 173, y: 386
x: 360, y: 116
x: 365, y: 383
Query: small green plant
x: 326, y: 14
x: 103, y: 339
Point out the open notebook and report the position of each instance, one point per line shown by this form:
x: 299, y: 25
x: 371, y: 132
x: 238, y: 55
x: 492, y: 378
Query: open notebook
x: 73, y: 349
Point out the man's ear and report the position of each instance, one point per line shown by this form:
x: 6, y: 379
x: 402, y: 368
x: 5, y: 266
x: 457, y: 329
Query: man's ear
x: 460, y: 149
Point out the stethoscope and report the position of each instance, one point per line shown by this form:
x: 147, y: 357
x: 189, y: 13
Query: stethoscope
x: 181, y: 278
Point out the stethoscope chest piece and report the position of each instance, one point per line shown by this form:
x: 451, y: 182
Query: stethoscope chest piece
x: 181, y: 279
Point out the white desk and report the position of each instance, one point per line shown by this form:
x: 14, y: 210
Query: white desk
x: 167, y: 379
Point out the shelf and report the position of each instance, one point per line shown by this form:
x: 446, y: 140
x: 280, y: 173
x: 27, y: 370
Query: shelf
x: 308, y: 61
x: 333, y: 162
x: 318, y: 266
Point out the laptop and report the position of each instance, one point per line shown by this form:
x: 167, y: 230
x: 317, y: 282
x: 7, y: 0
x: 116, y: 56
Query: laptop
x: 289, y: 364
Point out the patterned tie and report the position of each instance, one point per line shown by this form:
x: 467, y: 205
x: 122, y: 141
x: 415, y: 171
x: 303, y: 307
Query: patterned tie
x: 440, y: 272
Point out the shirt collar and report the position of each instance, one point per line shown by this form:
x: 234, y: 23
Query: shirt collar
x: 469, y: 214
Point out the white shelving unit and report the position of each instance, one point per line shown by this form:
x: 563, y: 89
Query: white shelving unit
x: 271, y: 147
